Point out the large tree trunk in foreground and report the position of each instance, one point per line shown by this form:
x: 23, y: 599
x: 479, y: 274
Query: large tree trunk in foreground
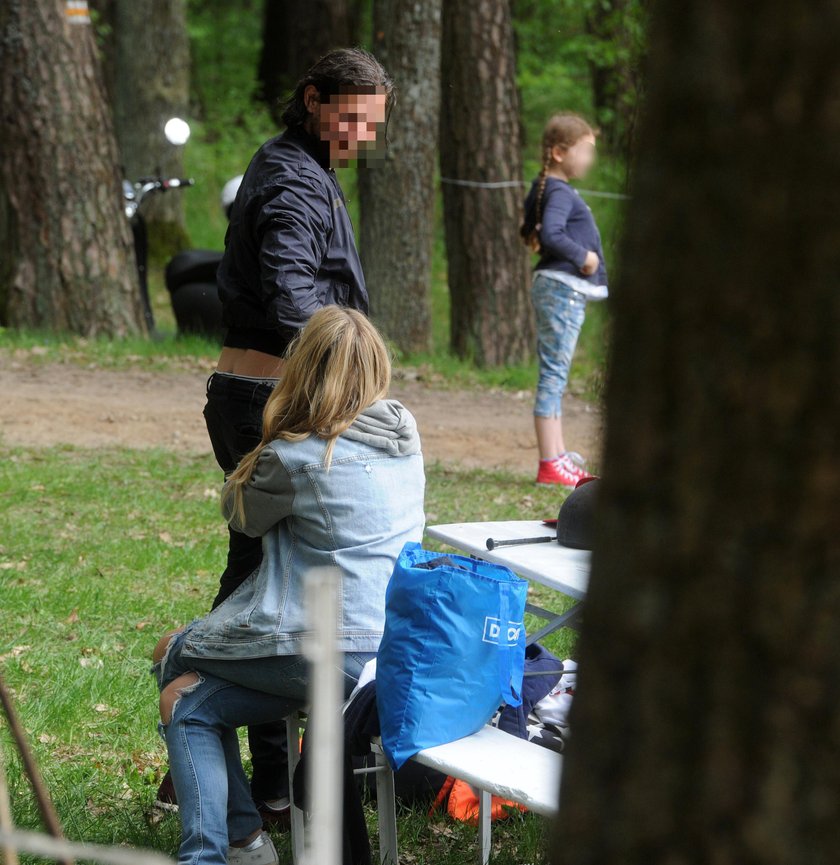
x: 151, y: 82
x: 397, y: 194
x: 707, y: 723
x: 66, y: 255
x: 491, y: 317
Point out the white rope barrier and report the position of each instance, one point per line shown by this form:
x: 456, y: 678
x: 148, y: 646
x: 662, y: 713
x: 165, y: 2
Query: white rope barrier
x: 507, y: 184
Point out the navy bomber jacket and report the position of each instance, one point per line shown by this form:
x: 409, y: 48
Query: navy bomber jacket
x: 289, y: 248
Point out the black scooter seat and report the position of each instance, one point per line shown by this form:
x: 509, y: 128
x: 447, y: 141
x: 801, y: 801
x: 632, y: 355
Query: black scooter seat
x: 191, y: 266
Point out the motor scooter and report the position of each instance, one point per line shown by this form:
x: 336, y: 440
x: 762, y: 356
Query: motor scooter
x: 191, y: 281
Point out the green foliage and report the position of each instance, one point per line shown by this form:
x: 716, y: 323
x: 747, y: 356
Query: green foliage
x: 561, y: 42
x: 615, y: 49
x: 552, y: 63
x: 165, y: 240
x: 228, y: 122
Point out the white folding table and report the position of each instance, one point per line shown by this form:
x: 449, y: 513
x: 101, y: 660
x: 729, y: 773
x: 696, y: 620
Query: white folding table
x: 551, y: 565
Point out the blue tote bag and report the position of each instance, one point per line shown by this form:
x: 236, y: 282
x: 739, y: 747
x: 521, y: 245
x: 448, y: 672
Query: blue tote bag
x: 453, y: 650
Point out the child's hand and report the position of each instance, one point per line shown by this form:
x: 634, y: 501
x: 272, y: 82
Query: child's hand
x: 591, y: 264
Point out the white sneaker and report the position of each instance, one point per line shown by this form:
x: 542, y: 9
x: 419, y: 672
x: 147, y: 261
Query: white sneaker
x: 260, y: 851
x: 574, y: 464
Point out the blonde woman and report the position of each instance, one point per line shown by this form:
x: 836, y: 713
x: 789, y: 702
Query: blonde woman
x: 337, y: 480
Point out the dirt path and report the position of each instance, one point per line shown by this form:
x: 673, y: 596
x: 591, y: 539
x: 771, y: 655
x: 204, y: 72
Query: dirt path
x: 51, y: 403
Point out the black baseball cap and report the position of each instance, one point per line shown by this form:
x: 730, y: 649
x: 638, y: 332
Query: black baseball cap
x: 576, y: 520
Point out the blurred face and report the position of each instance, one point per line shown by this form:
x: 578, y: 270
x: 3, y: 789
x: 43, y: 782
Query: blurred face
x: 351, y: 123
x: 576, y: 160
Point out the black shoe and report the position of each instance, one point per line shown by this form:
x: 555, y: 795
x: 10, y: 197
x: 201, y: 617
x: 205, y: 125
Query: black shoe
x: 276, y: 814
x: 166, y: 799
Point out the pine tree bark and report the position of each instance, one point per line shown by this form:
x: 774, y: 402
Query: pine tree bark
x: 151, y: 80
x: 707, y: 722
x: 66, y: 254
x: 491, y: 317
x: 295, y: 34
x: 397, y: 194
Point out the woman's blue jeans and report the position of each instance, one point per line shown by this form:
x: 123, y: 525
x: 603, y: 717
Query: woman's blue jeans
x: 214, y: 796
x: 559, y: 311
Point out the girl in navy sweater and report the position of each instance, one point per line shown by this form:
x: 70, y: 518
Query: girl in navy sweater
x: 570, y: 271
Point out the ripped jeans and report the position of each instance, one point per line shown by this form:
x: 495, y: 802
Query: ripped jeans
x: 214, y: 796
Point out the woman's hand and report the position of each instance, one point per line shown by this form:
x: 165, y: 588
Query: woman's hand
x: 590, y: 266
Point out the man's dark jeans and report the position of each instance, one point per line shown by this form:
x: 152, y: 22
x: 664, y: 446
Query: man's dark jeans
x: 234, y: 422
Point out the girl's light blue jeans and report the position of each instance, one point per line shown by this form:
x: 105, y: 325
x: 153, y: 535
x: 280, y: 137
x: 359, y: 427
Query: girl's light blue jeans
x: 214, y: 796
x: 559, y: 311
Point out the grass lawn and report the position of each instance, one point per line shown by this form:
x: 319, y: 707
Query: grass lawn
x: 100, y: 552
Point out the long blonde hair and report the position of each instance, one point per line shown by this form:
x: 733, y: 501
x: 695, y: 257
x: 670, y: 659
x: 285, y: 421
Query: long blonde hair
x: 336, y: 367
x: 562, y: 130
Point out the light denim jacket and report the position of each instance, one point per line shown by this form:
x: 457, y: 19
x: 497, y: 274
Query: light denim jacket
x: 357, y: 516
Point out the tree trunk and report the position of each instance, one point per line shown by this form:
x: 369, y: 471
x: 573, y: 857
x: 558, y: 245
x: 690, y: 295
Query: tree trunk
x: 66, y: 256
x: 397, y: 195
x: 617, y: 26
x: 295, y: 34
x: 491, y: 317
x: 151, y: 69
x: 707, y: 723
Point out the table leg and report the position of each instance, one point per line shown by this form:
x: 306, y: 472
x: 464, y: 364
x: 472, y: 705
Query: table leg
x: 569, y: 619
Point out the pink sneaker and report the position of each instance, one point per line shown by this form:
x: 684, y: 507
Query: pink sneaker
x: 556, y: 472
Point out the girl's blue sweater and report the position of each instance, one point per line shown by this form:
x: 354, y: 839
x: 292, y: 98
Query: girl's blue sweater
x: 568, y: 230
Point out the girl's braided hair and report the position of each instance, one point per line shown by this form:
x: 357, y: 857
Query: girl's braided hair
x: 562, y: 130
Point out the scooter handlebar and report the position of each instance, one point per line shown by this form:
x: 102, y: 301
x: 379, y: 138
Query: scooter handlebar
x: 135, y: 193
x: 177, y: 182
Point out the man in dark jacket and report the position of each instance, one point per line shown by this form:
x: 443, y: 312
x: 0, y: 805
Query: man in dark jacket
x: 289, y: 250
x: 289, y: 246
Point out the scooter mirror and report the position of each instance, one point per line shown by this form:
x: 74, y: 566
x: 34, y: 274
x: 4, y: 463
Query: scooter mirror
x: 177, y: 131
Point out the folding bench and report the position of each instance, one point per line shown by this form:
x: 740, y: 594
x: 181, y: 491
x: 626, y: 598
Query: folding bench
x: 494, y: 762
